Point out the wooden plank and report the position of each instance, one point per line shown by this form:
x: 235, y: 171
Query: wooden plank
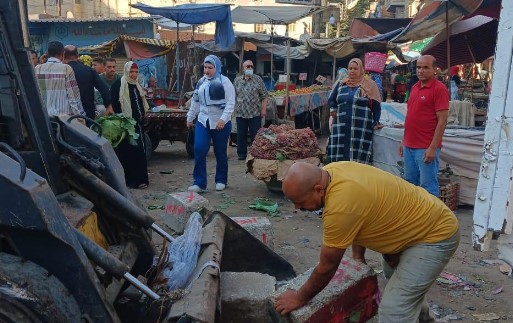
x: 493, y: 189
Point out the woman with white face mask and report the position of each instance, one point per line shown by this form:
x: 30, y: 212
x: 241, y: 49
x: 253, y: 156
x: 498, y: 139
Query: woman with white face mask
x: 250, y: 107
x: 212, y: 102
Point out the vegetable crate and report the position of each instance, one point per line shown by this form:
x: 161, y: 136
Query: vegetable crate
x: 449, y: 194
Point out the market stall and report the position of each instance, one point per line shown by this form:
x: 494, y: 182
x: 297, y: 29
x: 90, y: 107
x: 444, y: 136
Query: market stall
x: 305, y: 100
x: 299, y: 101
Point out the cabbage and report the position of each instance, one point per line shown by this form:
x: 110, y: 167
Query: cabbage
x: 117, y: 127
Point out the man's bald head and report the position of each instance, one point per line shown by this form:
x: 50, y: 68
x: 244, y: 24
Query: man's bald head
x: 426, y: 68
x: 430, y: 59
x: 247, y: 63
x: 70, y: 52
x: 303, y: 186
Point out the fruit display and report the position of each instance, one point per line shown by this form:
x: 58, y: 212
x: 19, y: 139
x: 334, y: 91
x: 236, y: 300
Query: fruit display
x: 305, y: 90
x: 86, y: 59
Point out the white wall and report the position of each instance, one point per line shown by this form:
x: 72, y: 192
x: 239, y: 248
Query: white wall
x: 493, y: 208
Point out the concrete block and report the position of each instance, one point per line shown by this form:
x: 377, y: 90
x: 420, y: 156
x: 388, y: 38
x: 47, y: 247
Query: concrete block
x: 258, y: 227
x: 245, y: 296
x: 351, y: 296
x: 179, y: 207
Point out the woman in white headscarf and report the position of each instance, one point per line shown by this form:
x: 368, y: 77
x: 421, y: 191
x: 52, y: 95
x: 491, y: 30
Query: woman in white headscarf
x: 128, y: 98
x: 212, y: 103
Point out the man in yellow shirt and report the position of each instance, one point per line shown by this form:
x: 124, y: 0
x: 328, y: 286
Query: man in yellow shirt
x: 366, y: 206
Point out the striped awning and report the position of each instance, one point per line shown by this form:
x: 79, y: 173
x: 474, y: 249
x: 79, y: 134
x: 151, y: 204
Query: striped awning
x: 150, y: 41
x: 132, y: 46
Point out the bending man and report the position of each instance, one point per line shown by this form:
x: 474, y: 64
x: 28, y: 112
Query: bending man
x: 371, y: 208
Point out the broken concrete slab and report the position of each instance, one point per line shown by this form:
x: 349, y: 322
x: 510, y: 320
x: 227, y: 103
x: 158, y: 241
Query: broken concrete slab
x: 352, y: 295
x: 259, y: 227
x: 179, y: 207
x: 245, y: 296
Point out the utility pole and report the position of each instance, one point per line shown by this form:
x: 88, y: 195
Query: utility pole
x: 316, y: 27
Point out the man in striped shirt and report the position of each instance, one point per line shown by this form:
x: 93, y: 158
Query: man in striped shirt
x: 57, y: 83
x: 250, y: 107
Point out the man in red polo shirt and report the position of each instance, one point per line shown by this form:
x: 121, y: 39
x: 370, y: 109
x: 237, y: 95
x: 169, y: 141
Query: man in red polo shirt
x: 428, y: 108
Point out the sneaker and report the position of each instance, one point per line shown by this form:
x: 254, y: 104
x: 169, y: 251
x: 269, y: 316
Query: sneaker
x: 220, y: 186
x: 195, y: 188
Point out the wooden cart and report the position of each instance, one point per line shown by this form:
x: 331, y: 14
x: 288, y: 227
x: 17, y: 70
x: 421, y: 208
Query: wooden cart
x: 169, y: 124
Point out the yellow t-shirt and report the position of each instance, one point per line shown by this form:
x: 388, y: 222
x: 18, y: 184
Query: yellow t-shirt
x: 380, y: 211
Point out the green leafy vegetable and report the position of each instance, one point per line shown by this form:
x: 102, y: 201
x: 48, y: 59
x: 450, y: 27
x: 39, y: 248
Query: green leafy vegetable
x: 117, y: 127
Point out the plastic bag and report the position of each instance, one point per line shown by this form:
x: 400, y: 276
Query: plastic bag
x: 183, y: 254
x: 264, y: 205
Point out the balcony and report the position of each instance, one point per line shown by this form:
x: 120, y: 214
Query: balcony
x: 391, y: 4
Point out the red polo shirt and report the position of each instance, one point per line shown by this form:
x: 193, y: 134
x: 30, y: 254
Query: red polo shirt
x: 423, y: 104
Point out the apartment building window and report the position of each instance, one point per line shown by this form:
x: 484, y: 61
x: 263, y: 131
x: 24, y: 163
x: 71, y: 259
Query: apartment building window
x: 260, y: 28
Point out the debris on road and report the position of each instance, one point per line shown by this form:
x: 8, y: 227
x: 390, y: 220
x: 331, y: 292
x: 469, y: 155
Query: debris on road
x: 263, y: 204
x: 486, y: 317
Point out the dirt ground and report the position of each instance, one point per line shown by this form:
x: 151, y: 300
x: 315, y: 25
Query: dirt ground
x: 480, y: 287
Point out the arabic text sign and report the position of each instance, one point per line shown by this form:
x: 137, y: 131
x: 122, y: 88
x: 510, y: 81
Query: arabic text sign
x: 320, y: 79
x: 94, y: 33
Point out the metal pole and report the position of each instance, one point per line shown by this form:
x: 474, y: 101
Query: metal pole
x: 448, y: 44
x: 333, y: 74
x: 177, y: 58
x: 317, y: 21
x: 241, y: 55
x: 140, y: 286
x: 287, y: 67
x: 272, y: 51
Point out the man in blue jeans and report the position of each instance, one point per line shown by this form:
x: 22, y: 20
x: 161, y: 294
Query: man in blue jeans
x: 250, y: 106
x: 428, y: 109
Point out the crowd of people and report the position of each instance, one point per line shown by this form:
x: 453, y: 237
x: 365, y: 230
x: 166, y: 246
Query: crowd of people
x: 362, y: 206
x: 69, y: 87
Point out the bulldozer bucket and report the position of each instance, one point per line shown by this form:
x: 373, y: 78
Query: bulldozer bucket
x: 226, y: 246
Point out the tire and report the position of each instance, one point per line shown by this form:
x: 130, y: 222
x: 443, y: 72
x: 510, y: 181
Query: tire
x: 153, y: 139
x: 28, y: 293
x: 189, y: 143
x: 148, y: 146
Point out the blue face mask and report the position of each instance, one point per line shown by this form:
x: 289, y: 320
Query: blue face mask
x: 248, y: 72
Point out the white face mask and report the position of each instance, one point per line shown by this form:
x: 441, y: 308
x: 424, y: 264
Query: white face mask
x: 248, y: 72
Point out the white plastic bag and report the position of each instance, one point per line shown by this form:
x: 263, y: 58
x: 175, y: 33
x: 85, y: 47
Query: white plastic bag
x: 183, y: 254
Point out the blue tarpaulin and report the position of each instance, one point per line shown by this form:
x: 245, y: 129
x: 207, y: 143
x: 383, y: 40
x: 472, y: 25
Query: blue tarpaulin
x: 198, y: 14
